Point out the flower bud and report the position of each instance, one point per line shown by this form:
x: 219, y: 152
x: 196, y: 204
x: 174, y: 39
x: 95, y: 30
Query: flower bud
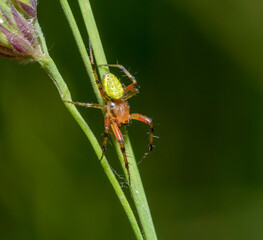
x: 28, y: 7
x: 18, y: 36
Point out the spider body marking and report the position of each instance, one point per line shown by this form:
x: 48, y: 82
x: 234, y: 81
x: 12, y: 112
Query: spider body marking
x: 112, y: 86
x: 118, y: 109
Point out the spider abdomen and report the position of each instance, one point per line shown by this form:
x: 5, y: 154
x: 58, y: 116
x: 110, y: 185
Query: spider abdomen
x: 112, y: 86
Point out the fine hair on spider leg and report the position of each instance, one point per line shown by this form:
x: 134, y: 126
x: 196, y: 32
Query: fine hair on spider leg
x: 155, y: 136
x: 145, y: 155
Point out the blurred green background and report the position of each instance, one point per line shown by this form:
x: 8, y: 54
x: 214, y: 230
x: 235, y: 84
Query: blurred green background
x: 199, y: 67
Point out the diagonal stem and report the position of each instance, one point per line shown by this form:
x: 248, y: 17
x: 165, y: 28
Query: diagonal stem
x: 136, y: 186
x: 104, y: 163
x: 50, y: 67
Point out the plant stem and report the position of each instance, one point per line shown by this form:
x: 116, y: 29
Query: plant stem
x: 81, y: 47
x: 136, y: 186
x: 49, y: 66
x: 94, y: 36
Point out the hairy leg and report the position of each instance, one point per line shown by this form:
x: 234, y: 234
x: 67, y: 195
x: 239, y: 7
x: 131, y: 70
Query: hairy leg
x: 91, y: 105
x: 119, y: 137
x: 102, y: 93
x: 106, y: 133
x: 131, y: 93
x: 148, y: 121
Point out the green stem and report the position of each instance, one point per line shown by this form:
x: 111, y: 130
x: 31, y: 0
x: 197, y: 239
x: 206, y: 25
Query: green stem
x: 49, y: 66
x: 41, y: 38
x: 136, y: 186
x: 94, y: 36
x: 81, y: 47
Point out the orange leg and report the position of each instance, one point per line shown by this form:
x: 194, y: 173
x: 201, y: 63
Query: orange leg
x: 119, y: 137
x: 131, y: 93
x: 91, y: 105
x: 106, y: 133
x: 134, y: 83
x: 148, y: 121
x: 130, y: 87
x: 103, y: 94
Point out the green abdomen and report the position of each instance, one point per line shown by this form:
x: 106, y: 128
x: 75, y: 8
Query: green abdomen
x: 112, y: 86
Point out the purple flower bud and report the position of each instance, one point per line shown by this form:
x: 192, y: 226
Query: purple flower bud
x: 9, y: 53
x: 34, y: 4
x: 18, y: 37
x: 7, y: 17
x: 30, y: 10
x: 25, y: 27
x: 20, y: 44
x: 6, y: 52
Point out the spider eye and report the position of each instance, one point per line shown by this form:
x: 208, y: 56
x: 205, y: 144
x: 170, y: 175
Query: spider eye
x: 112, y: 105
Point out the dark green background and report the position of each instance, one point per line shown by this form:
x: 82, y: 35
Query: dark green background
x: 199, y: 67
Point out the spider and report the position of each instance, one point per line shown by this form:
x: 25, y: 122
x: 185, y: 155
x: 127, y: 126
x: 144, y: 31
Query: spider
x: 118, y: 110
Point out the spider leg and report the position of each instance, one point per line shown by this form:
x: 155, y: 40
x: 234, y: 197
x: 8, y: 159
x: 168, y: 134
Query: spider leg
x: 91, y: 105
x: 148, y: 121
x: 131, y: 93
x: 129, y: 87
x: 106, y: 133
x: 117, y: 133
x: 103, y: 94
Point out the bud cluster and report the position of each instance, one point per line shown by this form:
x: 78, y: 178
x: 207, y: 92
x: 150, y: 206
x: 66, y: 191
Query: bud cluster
x: 18, y: 36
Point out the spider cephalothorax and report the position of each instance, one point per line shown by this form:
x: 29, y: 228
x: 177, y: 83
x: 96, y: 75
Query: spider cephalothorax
x: 118, y: 109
